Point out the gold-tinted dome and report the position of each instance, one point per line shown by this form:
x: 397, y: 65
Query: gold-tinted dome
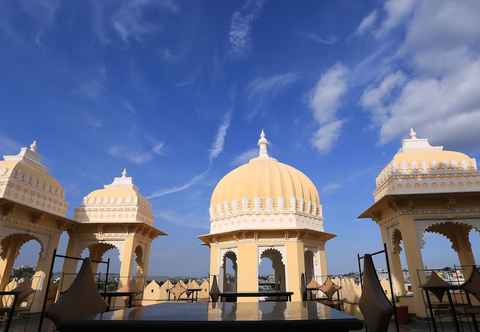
x: 264, y: 185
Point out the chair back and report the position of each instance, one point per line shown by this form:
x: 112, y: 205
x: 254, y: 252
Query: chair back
x: 80, y: 301
x: 374, y: 304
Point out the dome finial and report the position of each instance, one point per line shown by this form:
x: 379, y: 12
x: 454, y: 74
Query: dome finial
x: 124, y: 173
x: 263, y: 145
x: 33, y: 146
x: 413, y: 134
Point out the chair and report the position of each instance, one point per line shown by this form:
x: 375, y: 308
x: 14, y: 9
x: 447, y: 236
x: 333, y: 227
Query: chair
x: 374, y: 304
x: 329, y: 288
x: 472, y: 285
x: 81, y: 300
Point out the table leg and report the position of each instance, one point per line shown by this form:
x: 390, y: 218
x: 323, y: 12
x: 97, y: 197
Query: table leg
x: 11, y: 312
x: 454, y: 312
x: 431, y: 311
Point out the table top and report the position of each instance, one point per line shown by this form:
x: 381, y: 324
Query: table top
x: 117, y: 293
x: 253, y: 294
x: 220, y: 315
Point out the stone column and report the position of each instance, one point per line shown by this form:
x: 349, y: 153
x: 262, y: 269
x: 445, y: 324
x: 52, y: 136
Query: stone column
x: 127, y: 254
x: 247, y: 261
x: 42, y: 270
x: 461, y: 244
x: 393, y: 252
x: 69, y: 270
x: 295, y: 267
x: 146, y: 261
x: 322, y: 262
x: 414, y: 259
x: 9, y: 254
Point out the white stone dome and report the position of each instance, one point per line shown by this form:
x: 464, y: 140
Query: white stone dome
x: 24, y: 179
x: 419, y: 167
x: 120, y: 201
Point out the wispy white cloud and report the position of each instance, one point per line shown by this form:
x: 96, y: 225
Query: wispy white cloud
x: 329, y: 40
x: 215, y: 150
x: 130, y: 20
x: 244, y: 157
x: 394, y: 12
x: 129, y: 106
x: 241, y: 26
x: 331, y: 187
x: 8, y: 144
x: 40, y: 14
x: 270, y: 85
x: 93, y: 86
x: 327, y: 135
x: 187, y: 220
x: 175, y: 189
x: 324, y: 102
x: 136, y: 156
x: 219, y: 142
x: 374, y: 97
x: 367, y: 23
x: 263, y: 89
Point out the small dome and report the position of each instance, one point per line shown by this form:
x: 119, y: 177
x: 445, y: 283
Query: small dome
x: 416, y: 161
x: 120, y: 201
x: 264, y: 185
x: 24, y: 179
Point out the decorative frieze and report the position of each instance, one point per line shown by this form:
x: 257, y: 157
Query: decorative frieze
x: 250, y: 221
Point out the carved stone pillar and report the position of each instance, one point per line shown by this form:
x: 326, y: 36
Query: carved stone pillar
x: 461, y: 244
x: 126, y: 262
x: 393, y: 251
x: 43, y: 269
x: 413, y: 252
x: 74, y: 249
x: 9, y: 253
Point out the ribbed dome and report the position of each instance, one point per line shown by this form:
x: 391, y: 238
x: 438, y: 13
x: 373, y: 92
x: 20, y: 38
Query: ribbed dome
x: 417, y: 156
x: 419, y: 167
x: 120, y: 201
x: 264, y: 185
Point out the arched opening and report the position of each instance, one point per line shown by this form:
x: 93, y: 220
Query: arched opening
x: 19, y: 256
x: 229, y: 272
x: 309, y: 266
x: 474, y: 237
x: 437, y: 252
x: 103, y: 252
x: 138, y: 269
x: 271, y: 272
x: 20, y: 263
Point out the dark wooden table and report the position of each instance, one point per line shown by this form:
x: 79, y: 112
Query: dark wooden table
x: 110, y: 295
x: 194, y: 292
x: 226, y: 316
x: 232, y: 296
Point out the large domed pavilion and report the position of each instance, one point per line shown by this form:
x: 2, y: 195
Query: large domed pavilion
x: 266, y: 209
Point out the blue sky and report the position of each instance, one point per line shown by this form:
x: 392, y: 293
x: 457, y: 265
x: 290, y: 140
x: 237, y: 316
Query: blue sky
x: 177, y: 92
